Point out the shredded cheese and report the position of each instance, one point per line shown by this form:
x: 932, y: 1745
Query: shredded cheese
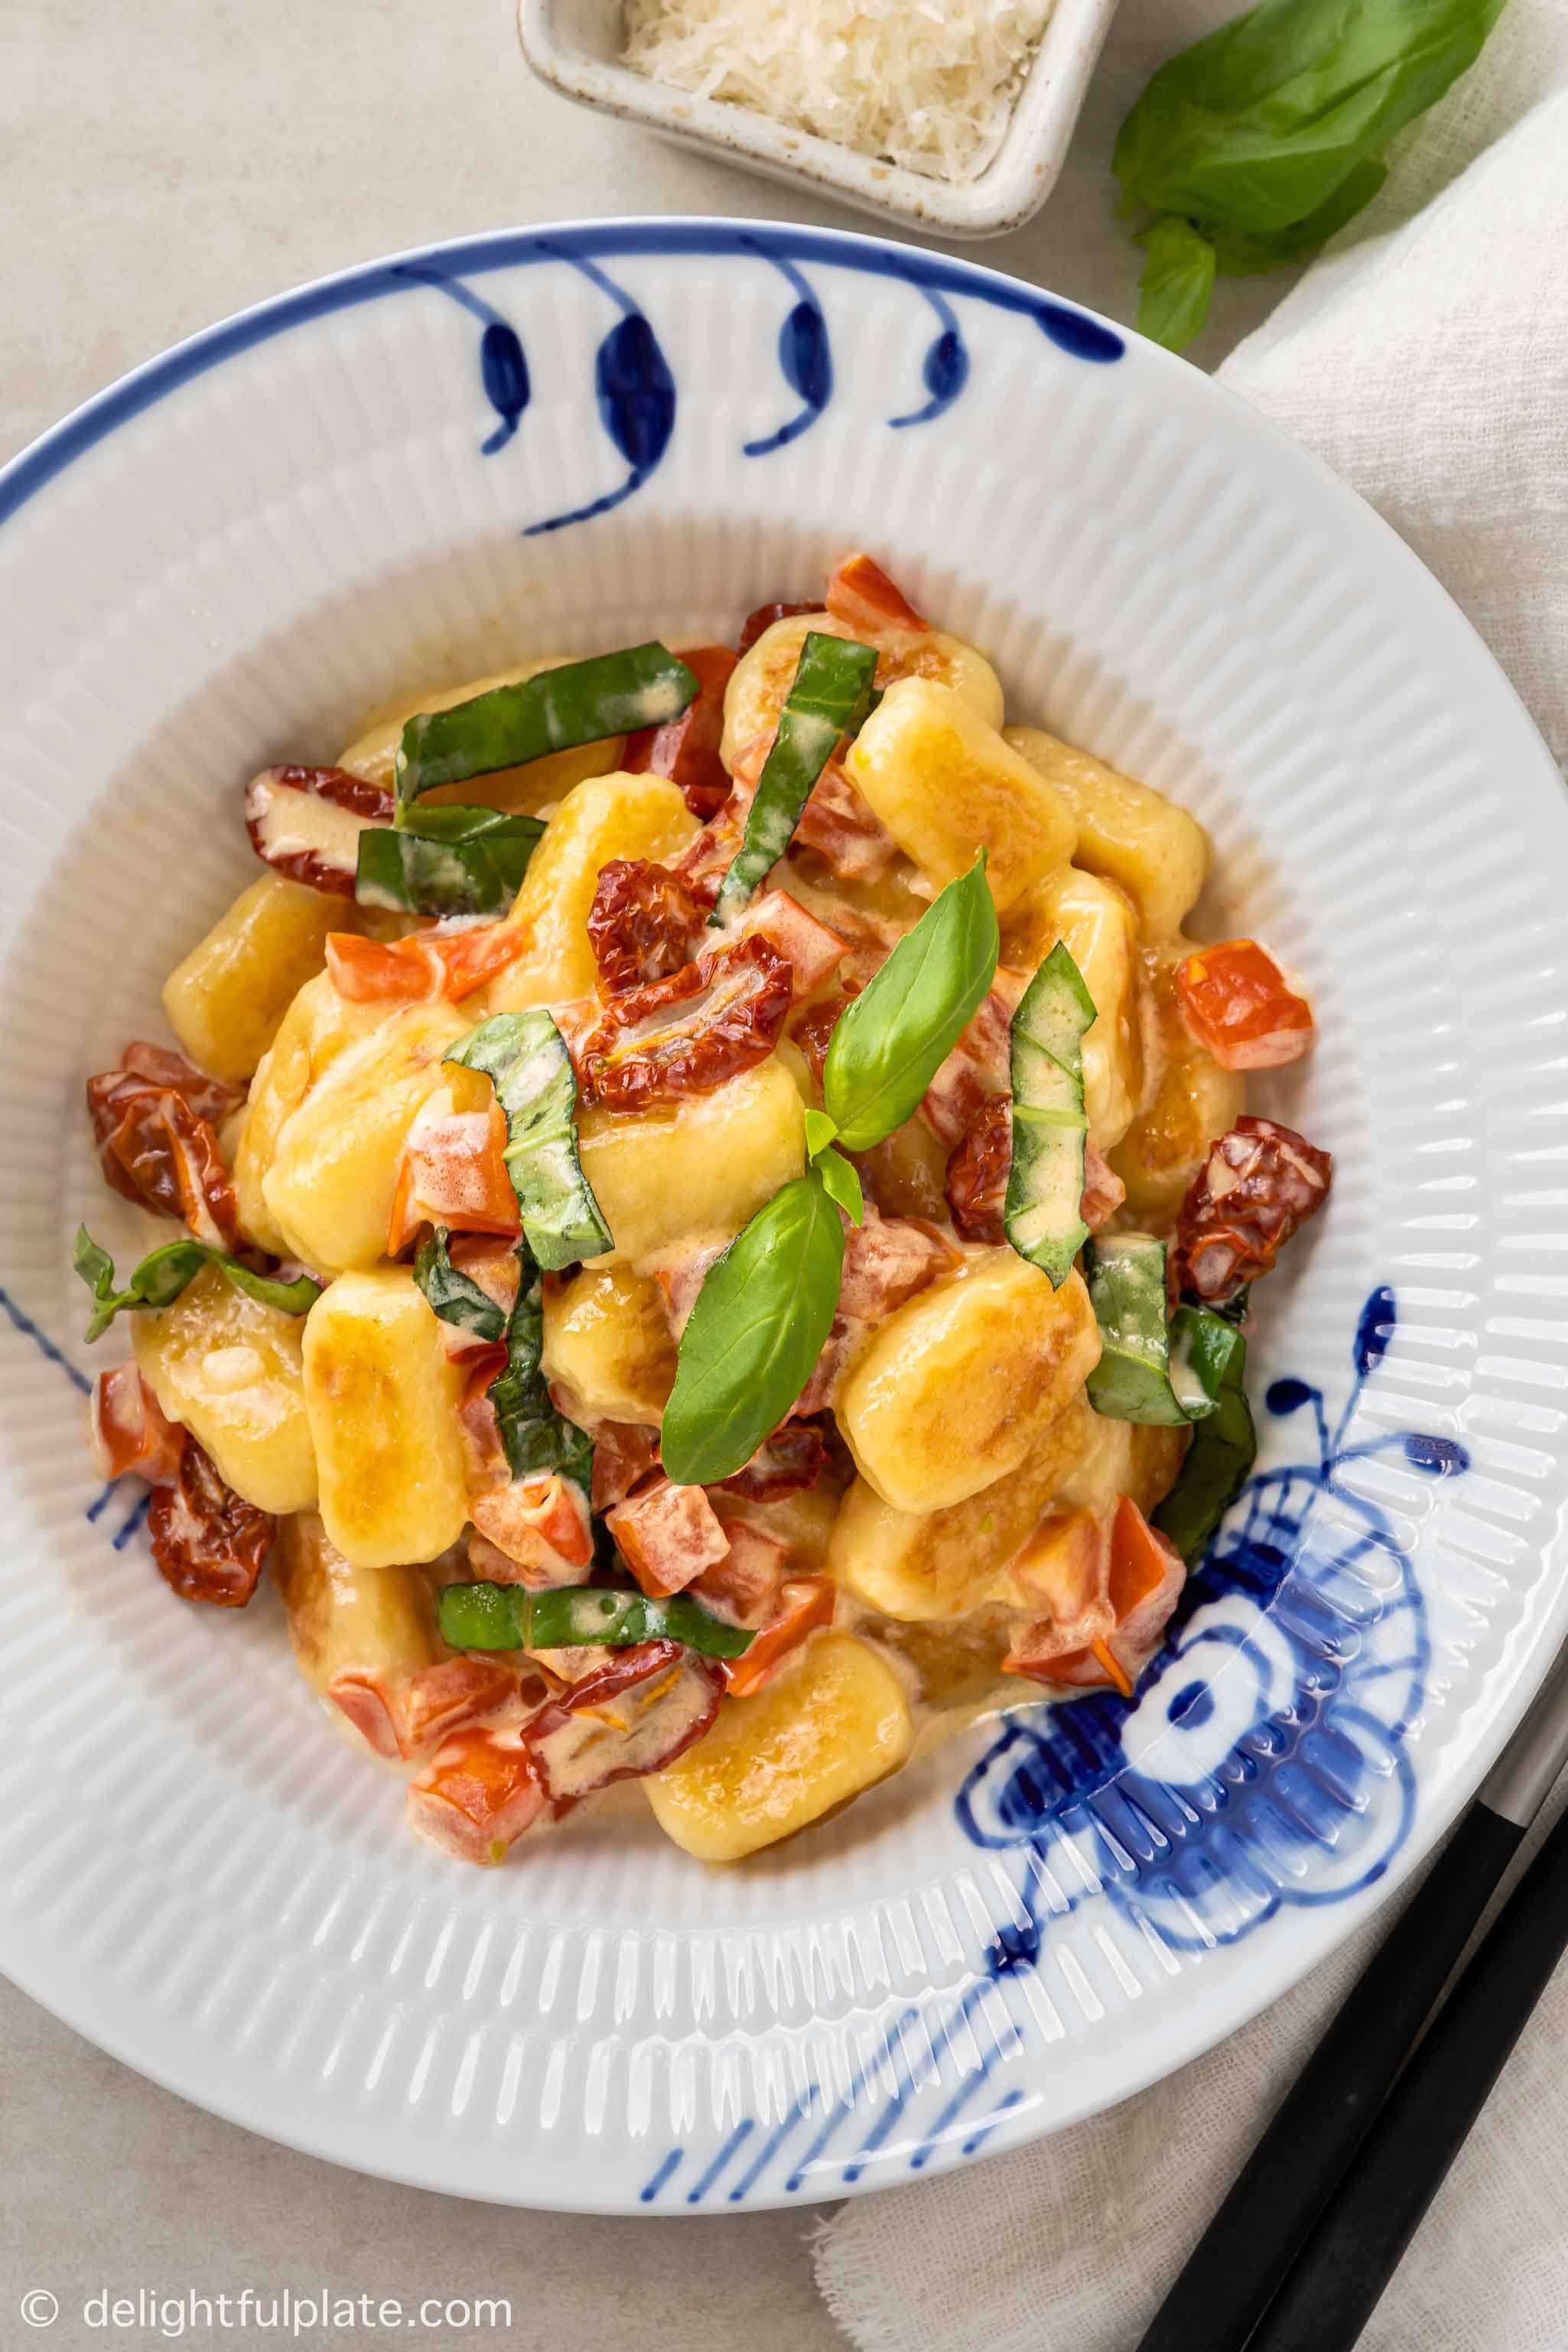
x: 928, y: 84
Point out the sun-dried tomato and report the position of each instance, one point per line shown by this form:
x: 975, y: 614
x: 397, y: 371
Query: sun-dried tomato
x: 811, y: 1028
x: 644, y: 1708
x: 209, y: 1544
x: 1257, y: 1185
x: 686, y: 750
x: 285, y: 815
x: 155, y: 1149
x: 757, y: 623
x: 129, y: 1431
x: 689, y: 1033
x: 742, y: 1588
x: 210, y: 1099
x: 886, y: 1261
x: 623, y: 1454
x: 793, y: 1457
x: 1103, y: 1190
x: 978, y: 1171
x: 641, y: 924
x: 839, y: 824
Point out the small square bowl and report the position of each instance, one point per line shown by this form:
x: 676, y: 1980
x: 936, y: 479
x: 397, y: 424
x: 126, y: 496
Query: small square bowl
x: 574, y: 46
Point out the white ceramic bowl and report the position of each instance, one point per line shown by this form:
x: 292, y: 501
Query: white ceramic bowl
x: 228, y: 558
x: 575, y: 45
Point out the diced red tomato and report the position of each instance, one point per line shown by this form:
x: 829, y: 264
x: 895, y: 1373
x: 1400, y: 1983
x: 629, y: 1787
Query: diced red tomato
x: 686, y: 750
x: 871, y: 606
x: 129, y: 1431
x: 667, y: 1534
x: 840, y: 824
x: 366, y: 1698
x: 1111, y: 1587
x: 477, y: 1794
x: 427, y: 965
x: 456, y: 1691
x: 886, y: 1261
x: 623, y: 1454
x: 541, y: 1525
x: 805, y: 1602
x: 1236, y: 1004
x: 811, y: 949
x: 742, y: 1587
x: 453, y: 1172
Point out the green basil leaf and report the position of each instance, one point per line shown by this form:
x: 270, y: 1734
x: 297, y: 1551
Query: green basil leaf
x: 525, y: 1056
x: 830, y: 697
x: 1240, y: 255
x: 471, y: 865
x: 162, y: 1275
x: 452, y: 1295
x: 535, y: 1436
x: 578, y: 702
x: 1254, y: 127
x: 891, y: 1039
x: 1178, y: 279
x: 509, y: 1617
x: 1223, y: 1450
x: 761, y: 1321
x: 820, y: 1131
x: 840, y: 1179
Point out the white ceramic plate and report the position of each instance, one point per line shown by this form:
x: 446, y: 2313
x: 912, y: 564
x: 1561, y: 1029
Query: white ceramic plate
x: 571, y: 439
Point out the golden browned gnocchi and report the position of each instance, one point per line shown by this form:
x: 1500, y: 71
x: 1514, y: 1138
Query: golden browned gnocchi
x: 718, y: 1215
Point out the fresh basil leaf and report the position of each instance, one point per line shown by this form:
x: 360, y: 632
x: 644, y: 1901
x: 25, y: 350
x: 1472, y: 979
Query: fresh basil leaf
x: 471, y: 865
x: 509, y: 1617
x: 452, y: 1295
x: 1254, y: 127
x: 535, y: 1436
x: 525, y: 1056
x: 840, y: 1179
x: 1178, y: 279
x: 761, y: 1321
x: 830, y: 697
x: 820, y: 1131
x: 893, y: 1038
x: 164, y: 1273
x: 578, y: 702
x: 1240, y: 255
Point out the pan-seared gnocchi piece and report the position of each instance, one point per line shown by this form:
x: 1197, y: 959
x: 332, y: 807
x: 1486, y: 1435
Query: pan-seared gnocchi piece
x: 833, y: 1723
x: 763, y: 676
x: 607, y: 1339
x: 1127, y: 831
x: 1192, y: 1101
x: 230, y: 1368
x: 919, y: 1565
x: 226, y: 1000
x: 946, y: 784
x: 373, y: 1622
x: 537, y: 785
x: 610, y: 816
x: 699, y: 1167
x: 317, y: 1026
x: 1095, y: 919
x: 952, y: 1390
x: 382, y: 1399
x: 328, y: 1186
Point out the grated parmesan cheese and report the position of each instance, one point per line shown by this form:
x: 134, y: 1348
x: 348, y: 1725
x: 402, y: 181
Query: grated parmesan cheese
x: 928, y: 84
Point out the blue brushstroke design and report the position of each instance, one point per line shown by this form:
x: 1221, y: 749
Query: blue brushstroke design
x: 946, y: 368
x: 721, y: 2163
x: 503, y: 368
x: 634, y: 390
x: 24, y: 1324
x: 972, y: 2146
x: 133, y: 1524
x: 805, y: 358
x: 657, y: 2179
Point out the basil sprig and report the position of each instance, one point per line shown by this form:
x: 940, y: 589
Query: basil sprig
x: 577, y: 702
x: 891, y: 1039
x: 830, y: 697
x: 525, y: 1056
x: 1260, y: 141
x: 161, y: 1276
x: 447, y: 861
x: 761, y: 1321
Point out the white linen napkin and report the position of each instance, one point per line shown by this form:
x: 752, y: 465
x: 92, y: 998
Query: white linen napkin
x: 1425, y: 358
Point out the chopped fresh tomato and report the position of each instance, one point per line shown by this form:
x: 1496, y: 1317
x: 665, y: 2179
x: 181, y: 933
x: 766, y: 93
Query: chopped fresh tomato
x: 427, y: 965
x: 686, y: 750
x: 742, y: 1588
x: 540, y: 1525
x: 453, y: 1172
x: 477, y: 1794
x: 805, y: 1602
x: 1112, y: 1590
x: 871, y: 606
x: 667, y: 1534
x: 1236, y: 1004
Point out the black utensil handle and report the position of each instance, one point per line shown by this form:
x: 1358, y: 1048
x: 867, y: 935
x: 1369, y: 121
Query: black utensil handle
x: 1374, y: 2214
x: 1246, y: 2251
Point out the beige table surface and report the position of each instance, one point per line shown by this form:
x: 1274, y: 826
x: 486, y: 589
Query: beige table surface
x: 163, y: 162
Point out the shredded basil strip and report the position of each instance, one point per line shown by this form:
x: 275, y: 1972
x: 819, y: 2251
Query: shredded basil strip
x: 535, y: 1436
x: 1135, y: 1379
x: 831, y: 697
x: 525, y: 1056
x: 447, y: 861
x: 1223, y: 1450
x: 452, y: 1295
x: 891, y: 1039
x: 161, y: 1276
x: 761, y: 1321
x: 578, y: 702
x: 509, y: 1617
